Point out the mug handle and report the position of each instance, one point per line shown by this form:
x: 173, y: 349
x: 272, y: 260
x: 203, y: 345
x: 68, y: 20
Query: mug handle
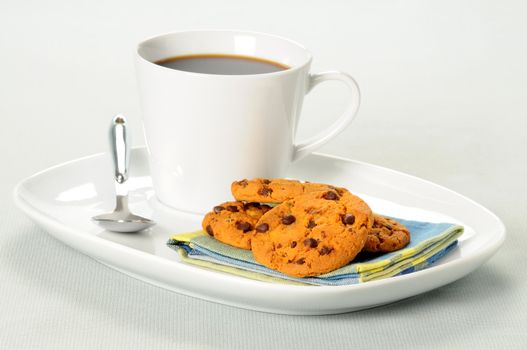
x: 303, y: 149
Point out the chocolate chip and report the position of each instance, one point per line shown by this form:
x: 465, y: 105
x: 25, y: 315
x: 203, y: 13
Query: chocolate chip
x: 265, y: 191
x: 251, y: 205
x: 218, y: 208
x: 348, y: 219
x: 266, y: 181
x: 330, y: 196
x: 301, y: 261
x: 209, y: 230
x: 278, y: 246
x: 243, y: 226
x: 288, y: 219
x: 325, y: 250
x: 293, y: 244
x: 262, y: 228
x: 311, y: 224
x: 339, y: 190
x: 243, y: 183
x: 311, y: 242
x: 232, y: 208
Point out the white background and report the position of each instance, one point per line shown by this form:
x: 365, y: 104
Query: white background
x: 444, y: 98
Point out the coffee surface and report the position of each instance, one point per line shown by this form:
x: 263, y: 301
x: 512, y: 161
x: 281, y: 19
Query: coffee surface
x: 222, y: 64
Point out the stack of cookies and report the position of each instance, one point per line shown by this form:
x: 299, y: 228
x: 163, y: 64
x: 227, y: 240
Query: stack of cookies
x: 301, y: 229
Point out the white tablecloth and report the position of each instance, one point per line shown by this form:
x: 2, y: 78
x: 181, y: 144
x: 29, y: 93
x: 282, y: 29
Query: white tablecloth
x: 444, y: 98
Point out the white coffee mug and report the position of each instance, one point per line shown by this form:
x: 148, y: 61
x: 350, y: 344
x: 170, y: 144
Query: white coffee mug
x: 203, y: 131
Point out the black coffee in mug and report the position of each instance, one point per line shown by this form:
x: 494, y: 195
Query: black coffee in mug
x: 222, y: 64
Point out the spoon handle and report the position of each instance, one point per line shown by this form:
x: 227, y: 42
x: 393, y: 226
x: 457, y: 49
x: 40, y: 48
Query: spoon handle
x: 119, y: 148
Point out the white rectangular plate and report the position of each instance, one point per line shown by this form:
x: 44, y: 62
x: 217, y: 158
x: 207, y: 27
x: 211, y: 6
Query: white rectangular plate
x: 62, y: 200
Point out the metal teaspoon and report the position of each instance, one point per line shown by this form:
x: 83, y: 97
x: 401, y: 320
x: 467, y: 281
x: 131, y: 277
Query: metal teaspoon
x: 121, y: 219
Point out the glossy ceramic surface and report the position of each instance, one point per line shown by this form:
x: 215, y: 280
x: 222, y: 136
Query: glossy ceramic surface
x: 62, y: 200
x: 199, y: 126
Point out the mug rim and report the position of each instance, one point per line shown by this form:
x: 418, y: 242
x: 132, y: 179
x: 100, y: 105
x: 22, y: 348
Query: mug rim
x: 292, y: 69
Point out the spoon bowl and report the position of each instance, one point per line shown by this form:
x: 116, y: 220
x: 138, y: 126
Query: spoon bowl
x: 122, y: 220
x: 133, y: 224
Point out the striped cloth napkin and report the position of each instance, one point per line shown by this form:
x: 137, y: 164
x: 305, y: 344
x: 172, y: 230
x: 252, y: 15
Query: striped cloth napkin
x: 429, y: 242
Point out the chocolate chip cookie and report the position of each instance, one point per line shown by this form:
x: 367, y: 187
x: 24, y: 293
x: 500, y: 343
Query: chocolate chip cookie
x: 386, y: 235
x: 313, y: 233
x: 233, y: 222
x: 274, y: 190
